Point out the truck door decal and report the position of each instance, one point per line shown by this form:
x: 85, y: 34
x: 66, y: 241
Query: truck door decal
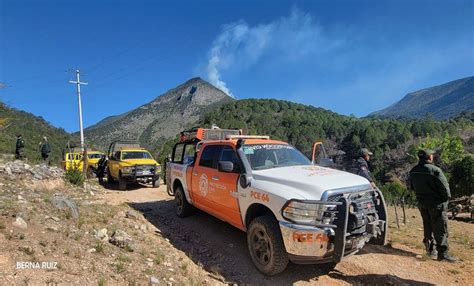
x: 203, y: 185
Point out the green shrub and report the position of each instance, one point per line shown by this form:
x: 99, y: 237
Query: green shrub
x: 394, y: 192
x: 75, y: 177
x: 462, y: 177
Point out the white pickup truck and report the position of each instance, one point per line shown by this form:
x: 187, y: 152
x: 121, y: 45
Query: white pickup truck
x: 291, y: 209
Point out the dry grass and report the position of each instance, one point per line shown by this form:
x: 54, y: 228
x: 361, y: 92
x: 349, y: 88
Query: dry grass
x: 461, y: 233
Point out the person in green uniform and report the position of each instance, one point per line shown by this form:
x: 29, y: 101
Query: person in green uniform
x: 45, y: 150
x: 432, y: 193
x: 19, y: 146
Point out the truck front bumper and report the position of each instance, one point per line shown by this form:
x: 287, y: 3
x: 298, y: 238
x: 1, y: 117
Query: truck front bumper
x: 137, y: 177
x: 312, y: 245
x: 307, y: 244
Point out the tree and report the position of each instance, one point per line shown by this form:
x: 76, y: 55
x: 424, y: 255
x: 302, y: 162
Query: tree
x: 462, y: 177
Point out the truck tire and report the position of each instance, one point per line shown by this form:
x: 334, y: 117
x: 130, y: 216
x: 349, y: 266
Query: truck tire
x: 155, y: 183
x: 122, y: 183
x: 183, y: 208
x: 266, y: 246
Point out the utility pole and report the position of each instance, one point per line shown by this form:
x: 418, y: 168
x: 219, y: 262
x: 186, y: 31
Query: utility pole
x: 78, y: 84
x: 83, y: 149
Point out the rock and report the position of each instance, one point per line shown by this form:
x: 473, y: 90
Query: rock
x: 132, y: 215
x: 20, y: 223
x: 419, y: 256
x: 120, y: 214
x: 27, y: 249
x: 215, y: 269
x: 101, y: 234
x: 52, y: 228
x: 55, y: 218
x: 149, y: 264
x: 92, y: 193
x: 167, y: 264
x: 171, y: 279
x: 154, y: 281
x: 20, y: 198
x: 149, y: 259
x: 91, y: 250
x: 143, y: 228
x: 64, y: 203
x: 123, y: 240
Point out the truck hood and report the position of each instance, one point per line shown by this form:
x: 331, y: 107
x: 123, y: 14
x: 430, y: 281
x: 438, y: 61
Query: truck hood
x: 307, y: 182
x: 140, y: 162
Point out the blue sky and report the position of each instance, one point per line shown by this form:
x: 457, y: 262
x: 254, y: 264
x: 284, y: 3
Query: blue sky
x: 352, y: 57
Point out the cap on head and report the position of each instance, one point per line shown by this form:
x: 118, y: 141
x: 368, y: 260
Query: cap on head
x: 18, y: 136
x: 365, y: 152
x: 45, y: 138
x: 425, y: 153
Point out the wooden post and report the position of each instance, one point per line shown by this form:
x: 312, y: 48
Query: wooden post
x: 396, y: 215
x: 403, y: 209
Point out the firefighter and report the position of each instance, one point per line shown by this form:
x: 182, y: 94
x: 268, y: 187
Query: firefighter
x: 20, y: 145
x: 101, y: 166
x: 432, y: 193
x: 45, y: 150
x: 362, y: 166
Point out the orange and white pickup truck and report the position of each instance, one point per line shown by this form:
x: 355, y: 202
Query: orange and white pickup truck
x: 291, y: 209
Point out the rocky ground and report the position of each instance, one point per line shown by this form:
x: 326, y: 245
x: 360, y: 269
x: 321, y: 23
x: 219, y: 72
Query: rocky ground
x: 55, y: 233
x: 100, y: 235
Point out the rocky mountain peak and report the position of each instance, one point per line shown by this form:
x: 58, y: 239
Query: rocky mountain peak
x: 162, y: 118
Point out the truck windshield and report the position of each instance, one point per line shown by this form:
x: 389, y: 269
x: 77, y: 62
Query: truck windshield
x: 136, y: 155
x: 95, y: 156
x: 267, y: 156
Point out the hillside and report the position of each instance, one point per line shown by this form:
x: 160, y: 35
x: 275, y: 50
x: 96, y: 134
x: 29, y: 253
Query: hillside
x: 161, y: 119
x: 301, y: 125
x: 32, y: 128
x: 443, y: 101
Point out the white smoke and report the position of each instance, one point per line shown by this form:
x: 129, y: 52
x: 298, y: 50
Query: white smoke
x: 240, y: 46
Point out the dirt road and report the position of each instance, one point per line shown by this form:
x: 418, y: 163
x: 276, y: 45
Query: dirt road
x: 222, y: 249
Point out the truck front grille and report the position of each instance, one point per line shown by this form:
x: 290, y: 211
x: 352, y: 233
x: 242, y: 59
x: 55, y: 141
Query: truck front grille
x: 143, y: 170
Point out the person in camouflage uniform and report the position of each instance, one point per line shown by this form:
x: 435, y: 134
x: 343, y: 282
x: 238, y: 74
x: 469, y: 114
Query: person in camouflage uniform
x: 20, y: 145
x: 45, y: 150
x: 362, y: 166
x: 432, y: 193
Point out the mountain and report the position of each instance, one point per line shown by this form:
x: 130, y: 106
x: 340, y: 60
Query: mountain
x: 161, y: 119
x: 443, y: 101
x: 32, y: 128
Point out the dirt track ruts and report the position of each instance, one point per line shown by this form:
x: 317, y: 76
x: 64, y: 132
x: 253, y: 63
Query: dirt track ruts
x: 222, y: 249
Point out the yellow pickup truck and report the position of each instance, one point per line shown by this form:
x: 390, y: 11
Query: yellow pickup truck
x: 129, y: 163
x: 93, y: 158
x: 72, y: 160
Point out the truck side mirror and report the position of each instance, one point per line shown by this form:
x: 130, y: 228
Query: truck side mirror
x: 225, y: 166
x: 325, y: 162
x: 245, y: 180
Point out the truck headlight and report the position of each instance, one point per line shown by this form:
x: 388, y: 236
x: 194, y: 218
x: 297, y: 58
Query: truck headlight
x: 127, y: 170
x: 158, y: 169
x: 312, y: 213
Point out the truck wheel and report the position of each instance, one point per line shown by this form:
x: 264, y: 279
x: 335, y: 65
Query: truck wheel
x: 122, y: 183
x: 155, y: 183
x: 266, y: 246
x: 183, y: 208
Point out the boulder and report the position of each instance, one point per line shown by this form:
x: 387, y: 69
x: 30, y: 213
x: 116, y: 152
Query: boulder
x: 20, y: 223
x: 64, y: 203
x: 123, y: 240
x: 101, y: 234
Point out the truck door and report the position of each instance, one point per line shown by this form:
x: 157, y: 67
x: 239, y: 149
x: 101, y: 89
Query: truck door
x: 113, y: 164
x: 203, y: 173
x: 225, y: 197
